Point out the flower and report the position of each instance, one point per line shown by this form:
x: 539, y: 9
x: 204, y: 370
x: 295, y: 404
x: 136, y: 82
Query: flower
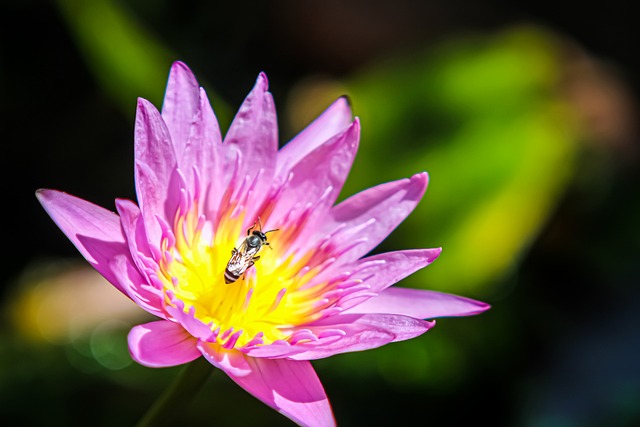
x: 303, y: 288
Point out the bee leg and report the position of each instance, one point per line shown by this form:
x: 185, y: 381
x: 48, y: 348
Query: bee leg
x: 234, y: 251
x: 251, y: 228
x: 255, y: 258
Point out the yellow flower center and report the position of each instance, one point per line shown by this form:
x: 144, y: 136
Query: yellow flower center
x: 266, y: 301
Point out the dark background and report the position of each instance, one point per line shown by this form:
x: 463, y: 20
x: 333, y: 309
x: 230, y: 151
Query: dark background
x: 571, y: 357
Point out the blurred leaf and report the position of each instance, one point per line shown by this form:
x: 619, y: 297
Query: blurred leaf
x: 486, y: 118
x: 126, y: 59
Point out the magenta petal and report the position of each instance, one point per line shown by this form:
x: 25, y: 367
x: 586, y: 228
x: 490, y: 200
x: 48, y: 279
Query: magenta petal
x: 194, y: 326
x: 162, y: 344
x: 203, y: 152
x: 152, y: 142
x: 131, y: 221
x: 290, y: 387
x: 232, y: 362
x: 253, y: 136
x: 144, y: 295
x: 383, y: 270
x: 371, y: 215
x: 421, y: 304
x: 155, y: 162
x: 95, y: 231
x: 331, y: 122
x: 380, y: 271
x: 181, y: 102
x: 359, y: 332
x: 276, y: 349
x: 318, y: 178
x: 194, y: 129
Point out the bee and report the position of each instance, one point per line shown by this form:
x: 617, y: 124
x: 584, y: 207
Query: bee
x: 244, y: 257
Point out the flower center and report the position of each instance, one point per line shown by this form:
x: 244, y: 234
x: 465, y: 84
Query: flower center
x: 265, y: 301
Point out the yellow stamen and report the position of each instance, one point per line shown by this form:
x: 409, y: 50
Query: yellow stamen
x: 269, y: 298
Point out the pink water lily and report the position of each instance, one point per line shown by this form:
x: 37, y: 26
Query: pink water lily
x: 312, y: 293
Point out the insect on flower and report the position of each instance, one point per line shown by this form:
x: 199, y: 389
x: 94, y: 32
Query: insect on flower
x: 320, y: 295
x: 245, y: 256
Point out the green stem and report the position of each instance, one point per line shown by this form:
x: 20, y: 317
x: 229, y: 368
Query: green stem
x: 178, y: 395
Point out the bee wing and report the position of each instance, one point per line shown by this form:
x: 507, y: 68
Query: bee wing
x: 248, y: 251
x: 241, y: 259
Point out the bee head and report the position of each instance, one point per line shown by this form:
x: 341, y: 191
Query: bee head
x: 262, y: 236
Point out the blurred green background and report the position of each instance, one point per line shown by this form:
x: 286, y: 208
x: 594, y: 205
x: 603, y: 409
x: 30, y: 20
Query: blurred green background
x: 525, y: 117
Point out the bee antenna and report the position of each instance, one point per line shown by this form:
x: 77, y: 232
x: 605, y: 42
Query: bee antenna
x: 275, y: 229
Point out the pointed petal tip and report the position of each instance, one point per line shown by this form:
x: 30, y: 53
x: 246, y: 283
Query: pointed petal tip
x: 142, y: 102
x: 346, y: 99
x: 143, y: 106
x: 41, y: 192
x: 181, y: 71
x: 419, y: 182
x: 262, y: 81
x: 421, y: 177
x: 416, y: 185
x: 483, y: 306
x: 343, y: 103
x: 435, y: 253
x: 461, y: 306
x: 475, y: 307
x: 354, y: 127
x: 180, y: 66
x: 45, y: 195
x: 149, y: 117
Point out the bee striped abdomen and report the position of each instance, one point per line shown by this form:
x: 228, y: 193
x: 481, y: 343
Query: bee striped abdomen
x: 238, y: 264
x: 229, y: 276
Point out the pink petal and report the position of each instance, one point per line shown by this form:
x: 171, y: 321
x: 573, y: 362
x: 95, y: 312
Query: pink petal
x: 421, y: 304
x: 194, y: 326
x: 162, y: 344
x: 136, y: 287
x: 194, y: 129
x: 380, y: 271
x: 95, y: 231
x: 277, y: 349
x: 154, y: 166
x: 231, y: 361
x: 181, y: 102
x: 318, y: 177
x: 371, y: 215
x: 290, y: 387
x: 331, y: 122
x: 253, y: 135
x: 131, y: 221
x: 383, y: 270
x: 203, y: 153
x: 359, y: 332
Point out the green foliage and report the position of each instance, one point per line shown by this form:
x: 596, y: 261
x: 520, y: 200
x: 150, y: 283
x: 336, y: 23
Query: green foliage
x: 126, y: 58
x: 485, y: 117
